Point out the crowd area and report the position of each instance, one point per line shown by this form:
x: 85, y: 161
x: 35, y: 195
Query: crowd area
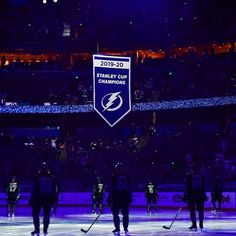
x: 161, y: 152
x: 170, y: 78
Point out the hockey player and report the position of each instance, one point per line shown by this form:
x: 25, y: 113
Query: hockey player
x: 13, y: 194
x: 216, y: 194
x: 195, y: 195
x: 151, y: 196
x: 120, y: 198
x: 43, y: 195
x: 56, y: 199
x: 98, y: 195
x: 55, y: 204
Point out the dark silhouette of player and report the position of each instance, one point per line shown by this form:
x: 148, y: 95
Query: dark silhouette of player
x: 151, y: 196
x: 55, y: 204
x: 43, y: 195
x: 13, y: 194
x: 216, y: 193
x: 120, y: 197
x: 98, y: 195
x: 195, y: 195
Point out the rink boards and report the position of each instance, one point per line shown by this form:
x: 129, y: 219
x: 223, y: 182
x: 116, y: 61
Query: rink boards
x: 166, y: 199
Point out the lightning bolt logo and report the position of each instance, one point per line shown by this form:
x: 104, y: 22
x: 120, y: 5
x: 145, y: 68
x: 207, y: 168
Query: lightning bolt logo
x: 111, y: 98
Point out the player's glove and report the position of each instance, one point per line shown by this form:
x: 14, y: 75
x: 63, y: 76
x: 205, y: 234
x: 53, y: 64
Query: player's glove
x: 184, y: 198
x: 30, y: 201
x: 109, y: 201
x: 130, y: 200
x: 55, y: 199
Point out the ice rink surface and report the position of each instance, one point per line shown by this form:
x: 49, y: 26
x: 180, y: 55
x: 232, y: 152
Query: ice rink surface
x: 70, y: 220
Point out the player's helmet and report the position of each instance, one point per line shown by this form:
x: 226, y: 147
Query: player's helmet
x: 119, y: 167
x: 43, y: 168
x: 44, y: 165
x: 195, y: 167
x: 13, y: 178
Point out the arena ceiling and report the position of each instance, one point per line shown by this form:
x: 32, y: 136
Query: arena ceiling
x: 112, y: 24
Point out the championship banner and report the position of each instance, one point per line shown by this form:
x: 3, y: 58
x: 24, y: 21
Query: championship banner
x: 111, y: 87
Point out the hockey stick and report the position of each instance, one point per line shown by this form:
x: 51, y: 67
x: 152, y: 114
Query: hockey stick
x: 168, y: 227
x: 86, y: 231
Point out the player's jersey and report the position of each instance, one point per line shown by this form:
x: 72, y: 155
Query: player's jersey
x: 13, y: 190
x: 195, y: 186
x: 120, y: 191
x: 46, y: 185
x: 196, y: 182
x: 218, y: 186
x: 122, y: 183
x: 45, y: 188
x: 151, y: 189
x: 217, y: 190
x: 98, y: 189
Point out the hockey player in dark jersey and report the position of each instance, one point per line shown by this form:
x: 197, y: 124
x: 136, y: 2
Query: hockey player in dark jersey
x: 120, y: 197
x: 216, y: 193
x: 98, y: 195
x: 195, y: 194
x: 43, y: 195
x: 151, y: 196
x: 55, y: 204
x: 13, y: 194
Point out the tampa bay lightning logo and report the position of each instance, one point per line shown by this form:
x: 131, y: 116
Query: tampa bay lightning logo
x: 112, y: 101
x: 177, y: 198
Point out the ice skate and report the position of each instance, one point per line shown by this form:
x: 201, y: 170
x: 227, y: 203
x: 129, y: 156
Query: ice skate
x: 116, y: 232
x: 35, y: 233
x: 193, y: 228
